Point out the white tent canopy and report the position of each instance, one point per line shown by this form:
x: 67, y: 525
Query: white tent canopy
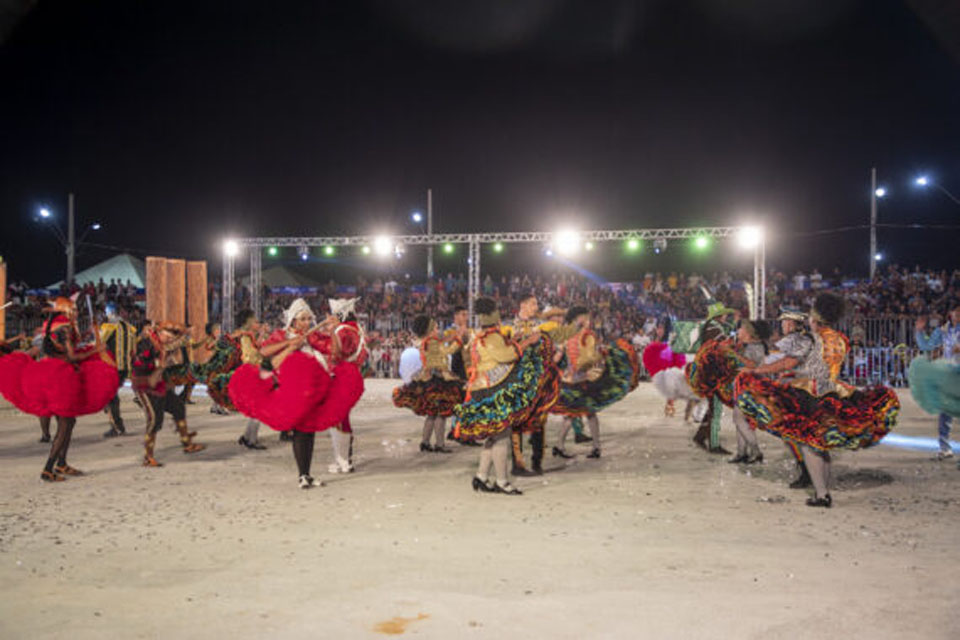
x: 120, y: 267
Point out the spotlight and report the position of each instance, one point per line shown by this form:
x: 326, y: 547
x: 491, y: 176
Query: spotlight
x: 659, y: 245
x: 921, y: 181
x: 548, y: 252
x: 231, y: 248
x: 701, y: 243
x: 44, y: 213
x: 399, y: 250
x: 365, y: 250
x: 633, y: 244
x: 878, y: 257
x: 588, y: 246
x: 448, y: 248
x: 272, y: 252
x: 304, y: 253
x: 417, y: 216
x: 382, y: 245
x: 95, y: 226
x: 498, y: 247
x: 880, y: 192
x: 566, y: 242
x: 750, y: 237
x: 329, y: 251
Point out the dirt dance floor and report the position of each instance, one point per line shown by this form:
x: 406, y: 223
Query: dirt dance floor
x: 655, y: 540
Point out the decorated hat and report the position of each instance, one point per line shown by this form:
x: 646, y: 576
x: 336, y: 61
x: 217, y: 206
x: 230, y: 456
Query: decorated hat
x: 296, y: 308
x: 63, y: 304
x: 716, y: 309
x: 792, y: 313
x: 343, y: 307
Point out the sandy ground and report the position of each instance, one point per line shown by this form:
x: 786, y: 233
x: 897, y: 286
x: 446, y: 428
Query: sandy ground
x: 655, y: 540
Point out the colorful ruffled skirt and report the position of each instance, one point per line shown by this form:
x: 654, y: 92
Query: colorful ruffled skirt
x: 217, y: 371
x: 935, y: 385
x: 523, y: 398
x: 856, y: 421
x: 713, y: 370
x: 435, y: 397
x: 53, y: 387
x: 621, y: 374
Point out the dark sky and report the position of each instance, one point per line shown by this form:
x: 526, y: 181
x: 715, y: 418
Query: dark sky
x: 179, y: 123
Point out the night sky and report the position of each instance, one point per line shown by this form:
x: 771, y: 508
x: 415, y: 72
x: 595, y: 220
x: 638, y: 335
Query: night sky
x: 177, y: 124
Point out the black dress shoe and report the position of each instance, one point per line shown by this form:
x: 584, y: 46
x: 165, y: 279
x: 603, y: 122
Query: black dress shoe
x: 480, y: 485
x: 507, y: 489
x: 803, y: 481
x: 560, y: 453
x: 522, y: 472
x: 594, y: 454
x: 250, y: 445
x: 579, y: 438
x: 757, y: 459
x: 424, y: 447
x: 739, y: 459
x: 826, y: 502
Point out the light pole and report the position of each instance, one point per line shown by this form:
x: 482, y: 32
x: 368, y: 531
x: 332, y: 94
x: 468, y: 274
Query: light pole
x: 69, y: 241
x: 924, y: 181
x: 875, y: 194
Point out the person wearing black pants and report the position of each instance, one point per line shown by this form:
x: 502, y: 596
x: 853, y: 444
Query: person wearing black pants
x: 120, y: 338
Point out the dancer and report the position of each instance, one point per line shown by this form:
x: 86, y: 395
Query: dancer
x: 247, y: 335
x: 593, y: 379
x: 528, y: 328
x: 304, y: 391
x: 947, y: 339
x: 809, y: 408
x: 34, y: 349
x: 70, y: 380
x: 349, y: 346
x: 459, y: 330
x: 434, y: 390
x: 120, y: 339
x: 506, y: 387
x: 666, y: 370
x: 720, y: 323
x: 154, y: 384
x: 752, y: 348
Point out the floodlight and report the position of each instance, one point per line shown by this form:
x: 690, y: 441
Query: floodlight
x: 272, y: 252
x: 750, y: 237
x: 922, y: 181
x: 44, y: 213
x: 329, y: 250
x: 701, y: 243
x: 633, y: 244
x: 417, y: 216
x: 448, y: 248
x: 880, y: 192
x: 498, y: 247
x: 382, y: 245
x: 365, y: 249
x: 231, y: 248
x: 304, y: 253
x: 588, y: 246
x: 566, y: 242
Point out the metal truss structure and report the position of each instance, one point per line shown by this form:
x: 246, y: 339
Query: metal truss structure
x: 473, y: 240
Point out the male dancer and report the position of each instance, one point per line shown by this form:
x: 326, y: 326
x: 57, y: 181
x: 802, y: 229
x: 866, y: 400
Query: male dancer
x: 720, y: 323
x: 530, y: 324
x: 157, y: 397
x: 119, y: 337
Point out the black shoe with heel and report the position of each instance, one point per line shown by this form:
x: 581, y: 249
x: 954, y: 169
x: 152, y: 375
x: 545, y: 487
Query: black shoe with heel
x: 480, y: 485
x: 560, y: 453
x: 826, y: 502
x: 507, y: 489
x: 425, y: 448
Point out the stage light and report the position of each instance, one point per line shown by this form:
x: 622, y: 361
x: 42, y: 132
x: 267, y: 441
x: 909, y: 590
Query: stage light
x: 880, y: 192
x: 231, y: 248
x: 498, y: 247
x: 633, y: 244
x: 659, y: 245
x: 365, y: 250
x: 329, y: 251
x: 399, y: 250
x: 44, y: 213
x: 382, y: 245
x: 548, y: 252
x: 448, y: 248
x: 921, y: 181
x: 272, y: 252
x: 750, y: 237
x: 417, y: 216
x: 878, y: 257
x: 701, y: 243
x: 566, y: 242
x: 95, y: 226
x: 304, y: 253
x: 588, y: 246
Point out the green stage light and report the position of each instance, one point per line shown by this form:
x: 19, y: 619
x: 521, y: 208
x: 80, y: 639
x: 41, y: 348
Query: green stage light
x: 633, y: 244
x: 701, y: 243
x: 272, y: 252
x: 498, y: 247
x: 329, y: 251
x: 366, y: 250
x: 588, y: 246
x: 448, y: 248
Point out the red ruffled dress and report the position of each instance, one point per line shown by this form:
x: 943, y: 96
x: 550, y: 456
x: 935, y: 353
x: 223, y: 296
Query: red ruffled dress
x: 307, y: 392
x: 52, y: 386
